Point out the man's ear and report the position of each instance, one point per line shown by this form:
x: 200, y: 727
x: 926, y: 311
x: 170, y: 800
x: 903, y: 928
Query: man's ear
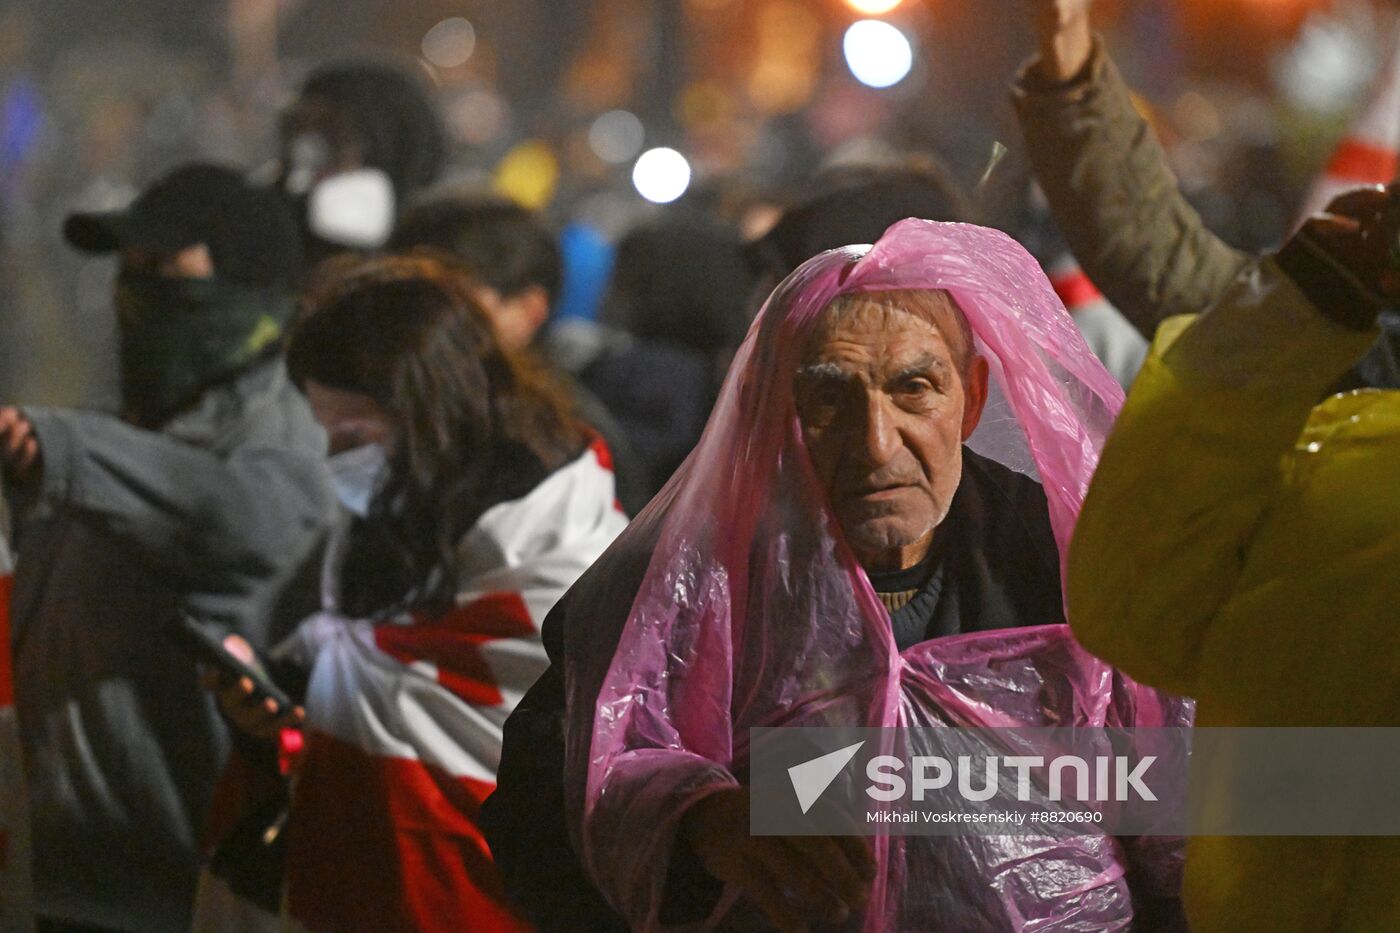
x: 974, y: 395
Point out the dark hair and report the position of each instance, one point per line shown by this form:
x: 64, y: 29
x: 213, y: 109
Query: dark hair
x: 683, y: 280
x: 857, y: 204
x: 476, y: 426
x: 506, y: 246
x: 397, y: 125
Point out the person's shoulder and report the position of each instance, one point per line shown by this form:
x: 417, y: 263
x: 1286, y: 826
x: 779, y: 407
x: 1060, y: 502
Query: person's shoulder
x: 1013, y: 507
x: 1002, y: 483
x: 274, y: 411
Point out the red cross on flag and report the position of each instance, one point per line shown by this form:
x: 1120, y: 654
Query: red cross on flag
x: 1369, y: 153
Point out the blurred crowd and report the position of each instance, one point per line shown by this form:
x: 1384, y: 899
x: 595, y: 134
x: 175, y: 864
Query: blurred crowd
x: 88, y: 120
x: 393, y: 551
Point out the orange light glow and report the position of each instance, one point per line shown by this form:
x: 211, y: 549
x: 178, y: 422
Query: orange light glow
x: 873, y: 7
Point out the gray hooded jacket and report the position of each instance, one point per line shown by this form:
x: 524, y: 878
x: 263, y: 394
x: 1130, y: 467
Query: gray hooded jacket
x: 220, y: 513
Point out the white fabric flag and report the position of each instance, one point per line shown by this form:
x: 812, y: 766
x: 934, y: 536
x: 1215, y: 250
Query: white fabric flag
x: 1367, y: 155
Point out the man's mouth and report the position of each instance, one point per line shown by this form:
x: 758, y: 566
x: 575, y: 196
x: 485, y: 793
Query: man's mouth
x: 881, y: 491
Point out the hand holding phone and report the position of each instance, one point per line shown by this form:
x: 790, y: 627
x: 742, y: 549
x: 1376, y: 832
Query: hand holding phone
x: 247, y: 696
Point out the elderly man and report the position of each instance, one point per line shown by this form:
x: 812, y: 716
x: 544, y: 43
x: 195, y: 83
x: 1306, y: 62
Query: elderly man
x: 827, y: 533
x: 888, y: 390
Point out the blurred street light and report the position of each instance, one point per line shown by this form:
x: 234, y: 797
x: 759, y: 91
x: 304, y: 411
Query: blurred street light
x: 873, y: 7
x: 616, y: 136
x: 529, y: 174
x: 450, y: 43
x: 661, y: 175
x: 879, y: 55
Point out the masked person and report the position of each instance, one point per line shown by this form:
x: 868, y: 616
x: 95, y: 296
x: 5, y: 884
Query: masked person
x: 208, y: 495
x: 833, y: 554
x: 358, y: 142
x: 480, y: 501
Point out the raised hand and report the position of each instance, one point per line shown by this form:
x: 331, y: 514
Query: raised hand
x: 20, y: 456
x: 1356, y: 231
x: 1064, y: 35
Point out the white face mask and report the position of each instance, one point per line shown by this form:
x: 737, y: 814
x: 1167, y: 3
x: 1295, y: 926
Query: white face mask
x: 354, y: 209
x: 357, y: 474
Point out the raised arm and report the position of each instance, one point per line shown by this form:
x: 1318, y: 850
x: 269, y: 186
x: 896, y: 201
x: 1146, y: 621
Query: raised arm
x: 211, y: 521
x: 1107, y: 181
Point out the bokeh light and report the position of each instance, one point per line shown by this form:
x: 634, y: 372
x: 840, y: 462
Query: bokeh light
x: 878, y: 54
x: 788, y: 57
x: 661, y: 175
x: 450, y: 43
x: 529, y: 174
x: 873, y: 7
x: 478, y: 117
x: 616, y: 136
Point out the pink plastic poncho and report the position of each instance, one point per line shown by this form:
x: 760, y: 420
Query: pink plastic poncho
x: 753, y: 612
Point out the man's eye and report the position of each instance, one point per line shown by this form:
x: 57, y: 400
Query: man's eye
x: 916, y: 386
x: 821, y: 395
x: 817, y: 405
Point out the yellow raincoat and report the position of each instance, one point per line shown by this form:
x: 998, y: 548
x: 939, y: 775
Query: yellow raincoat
x: 1240, y: 543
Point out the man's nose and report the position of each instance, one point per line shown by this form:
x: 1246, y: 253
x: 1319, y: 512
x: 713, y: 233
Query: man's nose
x: 879, y: 439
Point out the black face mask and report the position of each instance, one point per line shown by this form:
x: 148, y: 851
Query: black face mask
x: 180, y: 336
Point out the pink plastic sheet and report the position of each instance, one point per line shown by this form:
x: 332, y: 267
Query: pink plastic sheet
x: 753, y: 612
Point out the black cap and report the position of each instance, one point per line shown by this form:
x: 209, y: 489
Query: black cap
x: 250, y: 232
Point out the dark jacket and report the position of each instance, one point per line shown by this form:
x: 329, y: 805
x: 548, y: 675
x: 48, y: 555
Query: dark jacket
x: 218, y: 514
x: 1000, y: 569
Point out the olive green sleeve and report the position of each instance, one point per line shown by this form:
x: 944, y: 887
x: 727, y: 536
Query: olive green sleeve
x: 1114, y: 197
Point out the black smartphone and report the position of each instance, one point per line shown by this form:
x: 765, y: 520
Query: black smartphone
x: 199, y: 639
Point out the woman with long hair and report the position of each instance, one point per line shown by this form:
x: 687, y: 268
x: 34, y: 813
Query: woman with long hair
x: 475, y: 499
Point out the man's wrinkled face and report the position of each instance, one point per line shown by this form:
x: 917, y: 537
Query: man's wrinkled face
x: 887, y: 391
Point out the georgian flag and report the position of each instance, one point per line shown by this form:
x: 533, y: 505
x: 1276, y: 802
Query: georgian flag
x: 1114, y: 341
x: 1369, y: 154
x: 15, y: 895
x: 404, y: 720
